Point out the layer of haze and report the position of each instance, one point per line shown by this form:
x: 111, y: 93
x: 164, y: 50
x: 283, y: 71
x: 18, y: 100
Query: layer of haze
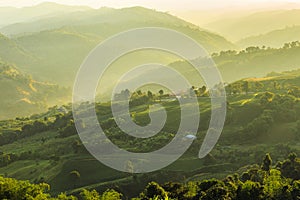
x: 165, y: 5
x: 199, y: 12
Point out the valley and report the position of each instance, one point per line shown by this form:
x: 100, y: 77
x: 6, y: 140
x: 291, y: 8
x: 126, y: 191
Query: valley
x: 42, y: 155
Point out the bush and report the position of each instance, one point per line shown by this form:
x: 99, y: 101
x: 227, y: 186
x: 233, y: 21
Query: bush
x: 69, y: 130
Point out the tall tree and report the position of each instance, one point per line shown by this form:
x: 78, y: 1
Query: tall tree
x: 267, y: 162
x: 246, y: 86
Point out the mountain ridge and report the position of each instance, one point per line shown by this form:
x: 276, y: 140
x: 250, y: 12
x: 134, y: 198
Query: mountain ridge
x: 24, y: 95
x: 254, y: 24
x: 11, y: 15
x: 275, y: 38
x: 59, y: 55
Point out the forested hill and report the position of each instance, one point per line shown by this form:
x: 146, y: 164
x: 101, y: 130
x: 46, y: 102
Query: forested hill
x: 261, y: 22
x: 61, y: 43
x: 273, y: 38
x: 253, y: 61
x: 258, y: 61
x: 46, y: 148
x: 22, y: 96
x: 263, y: 181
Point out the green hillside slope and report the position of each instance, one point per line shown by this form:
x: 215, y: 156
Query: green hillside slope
x: 258, y: 23
x: 251, y: 62
x: 22, y: 96
x: 59, y: 52
x: 12, y: 52
x: 46, y: 147
x: 12, y: 15
x: 274, y: 38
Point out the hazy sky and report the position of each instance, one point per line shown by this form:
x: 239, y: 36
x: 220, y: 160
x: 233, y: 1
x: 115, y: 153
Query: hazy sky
x: 166, y: 5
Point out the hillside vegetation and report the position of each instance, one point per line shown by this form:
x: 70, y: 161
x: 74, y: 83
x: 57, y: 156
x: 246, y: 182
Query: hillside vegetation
x: 260, y: 181
x: 23, y: 96
x: 59, y: 44
x: 253, y: 61
x: 12, y: 15
x: 42, y: 156
x: 237, y: 28
x: 273, y: 39
x: 46, y: 148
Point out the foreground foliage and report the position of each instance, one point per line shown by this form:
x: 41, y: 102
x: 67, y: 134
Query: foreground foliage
x: 265, y: 182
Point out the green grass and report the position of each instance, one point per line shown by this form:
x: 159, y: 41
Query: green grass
x: 28, y: 170
x: 91, y: 172
x: 229, y: 154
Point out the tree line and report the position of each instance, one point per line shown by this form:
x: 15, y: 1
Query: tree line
x: 260, y: 182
